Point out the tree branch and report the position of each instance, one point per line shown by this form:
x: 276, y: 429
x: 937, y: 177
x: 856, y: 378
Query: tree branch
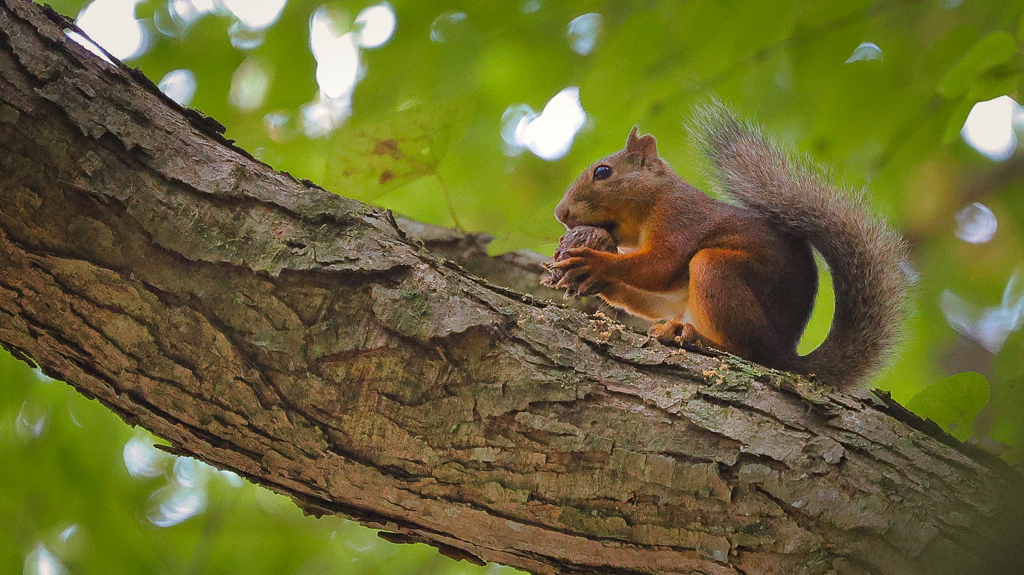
x: 311, y: 344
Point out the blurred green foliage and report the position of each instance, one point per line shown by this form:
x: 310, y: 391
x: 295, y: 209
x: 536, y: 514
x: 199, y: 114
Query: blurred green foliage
x: 891, y: 124
x: 953, y: 402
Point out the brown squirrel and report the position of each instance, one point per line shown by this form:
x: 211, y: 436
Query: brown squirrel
x: 738, y: 277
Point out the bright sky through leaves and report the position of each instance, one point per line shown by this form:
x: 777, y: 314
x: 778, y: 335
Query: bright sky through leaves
x: 112, y: 25
x: 583, y: 32
x: 256, y: 14
x: 976, y: 223
x: 549, y: 134
x: 42, y: 562
x: 989, y: 128
x: 179, y: 85
x: 865, y: 51
x: 249, y: 85
x: 377, y: 24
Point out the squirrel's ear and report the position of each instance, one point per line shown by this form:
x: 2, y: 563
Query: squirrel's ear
x: 646, y: 146
x: 631, y: 138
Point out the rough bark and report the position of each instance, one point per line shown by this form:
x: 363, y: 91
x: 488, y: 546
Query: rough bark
x: 311, y: 344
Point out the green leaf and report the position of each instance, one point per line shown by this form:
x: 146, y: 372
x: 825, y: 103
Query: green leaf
x: 369, y: 159
x: 991, y: 51
x: 956, y: 121
x: 953, y: 402
x: 992, y: 85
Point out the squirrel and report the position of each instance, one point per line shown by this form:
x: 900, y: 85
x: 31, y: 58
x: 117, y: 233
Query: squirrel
x: 739, y: 277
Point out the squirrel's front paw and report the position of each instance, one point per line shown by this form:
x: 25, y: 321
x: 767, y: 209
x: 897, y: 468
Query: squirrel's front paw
x: 574, y: 265
x: 582, y: 271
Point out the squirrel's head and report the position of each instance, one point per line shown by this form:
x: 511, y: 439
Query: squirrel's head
x: 616, y: 192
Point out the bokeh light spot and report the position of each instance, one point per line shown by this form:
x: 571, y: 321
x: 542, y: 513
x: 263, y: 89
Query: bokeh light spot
x: 42, y: 377
x: 446, y: 26
x: 187, y: 11
x: 583, y: 32
x: 989, y: 128
x: 976, y: 223
x: 33, y: 417
x: 337, y: 55
x: 88, y: 45
x: 549, y: 134
x: 179, y: 85
x: 183, y: 497
x: 245, y: 38
x: 531, y: 6
x: 42, y: 562
x: 337, y: 72
x: 231, y: 478
x: 112, y: 25
x: 174, y: 18
x: 865, y: 51
x: 175, y: 503
x: 142, y: 459
x: 991, y: 326
x: 377, y: 25
x: 279, y: 126
x: 189, y: 472
x: 256, y: 14
x: 337, y: 66
x: 249, y: 85
x: 68, y: 533
x: 320, y: 117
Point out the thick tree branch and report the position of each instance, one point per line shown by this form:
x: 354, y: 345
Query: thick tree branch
x: 306, y: 341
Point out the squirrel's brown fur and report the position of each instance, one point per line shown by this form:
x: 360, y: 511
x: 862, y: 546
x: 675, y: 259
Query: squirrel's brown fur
x: 740, y: 278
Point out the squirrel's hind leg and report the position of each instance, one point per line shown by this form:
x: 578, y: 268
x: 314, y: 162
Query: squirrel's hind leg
x: 683, y: 334
x: 726, y: 312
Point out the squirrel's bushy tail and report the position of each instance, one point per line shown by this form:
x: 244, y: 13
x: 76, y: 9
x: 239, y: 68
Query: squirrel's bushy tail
x: 864, y: 255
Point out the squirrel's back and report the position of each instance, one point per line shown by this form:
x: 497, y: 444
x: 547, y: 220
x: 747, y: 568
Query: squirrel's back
x: 864, y: 255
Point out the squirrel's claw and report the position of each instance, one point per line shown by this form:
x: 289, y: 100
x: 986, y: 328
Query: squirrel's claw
x: 567, y: 283
x: 565, y: 264
x: 587, y: 286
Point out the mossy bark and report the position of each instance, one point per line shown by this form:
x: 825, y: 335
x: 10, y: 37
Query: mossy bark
x: 318, y: 347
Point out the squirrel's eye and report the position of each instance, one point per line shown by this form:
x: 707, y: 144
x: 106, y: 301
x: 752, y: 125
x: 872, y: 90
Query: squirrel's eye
x: 602, y: 172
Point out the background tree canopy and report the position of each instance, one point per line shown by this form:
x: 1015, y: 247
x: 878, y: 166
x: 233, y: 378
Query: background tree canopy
x: 478, y: 115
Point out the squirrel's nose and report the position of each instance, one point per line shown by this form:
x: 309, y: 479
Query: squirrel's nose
x: 563, y: 214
